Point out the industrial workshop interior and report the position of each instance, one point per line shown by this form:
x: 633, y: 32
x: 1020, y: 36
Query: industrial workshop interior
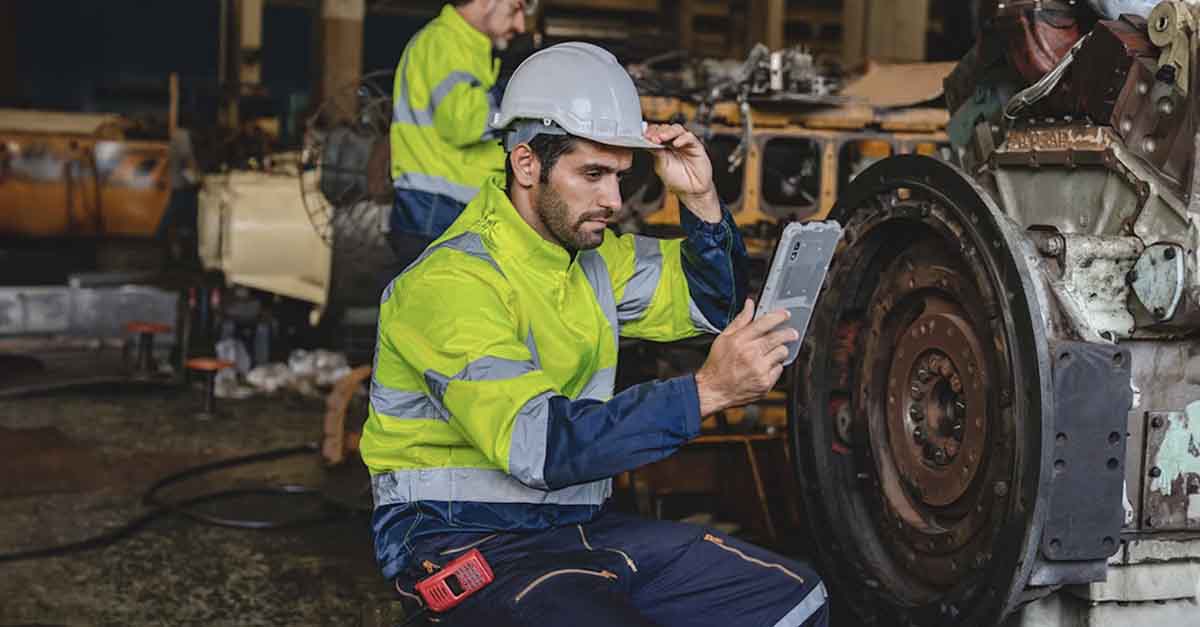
x: 581, y: 313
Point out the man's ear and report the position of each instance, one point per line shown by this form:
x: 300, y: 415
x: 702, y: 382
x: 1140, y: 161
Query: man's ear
x: 525, y: 166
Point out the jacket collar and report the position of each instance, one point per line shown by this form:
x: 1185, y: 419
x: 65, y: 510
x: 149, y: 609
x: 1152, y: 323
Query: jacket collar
x: 478, y: 42
x: 513, y: 237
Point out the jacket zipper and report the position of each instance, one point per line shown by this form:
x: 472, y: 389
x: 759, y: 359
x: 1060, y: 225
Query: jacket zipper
x: 564, y: 571
x: 588, y: 546
x: 721, y: 544
x: 468, y: 546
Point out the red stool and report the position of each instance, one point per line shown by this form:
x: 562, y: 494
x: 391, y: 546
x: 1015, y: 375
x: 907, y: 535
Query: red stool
x: 144, y: 366
x: 209, y: 367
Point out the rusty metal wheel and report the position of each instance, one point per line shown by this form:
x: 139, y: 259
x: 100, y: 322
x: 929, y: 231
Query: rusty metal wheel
x: 918, y: 401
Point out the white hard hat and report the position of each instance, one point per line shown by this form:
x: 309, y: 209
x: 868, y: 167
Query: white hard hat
x: 575, y: 88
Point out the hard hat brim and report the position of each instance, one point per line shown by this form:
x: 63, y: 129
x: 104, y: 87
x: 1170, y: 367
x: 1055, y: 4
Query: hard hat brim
x: 624, y: 142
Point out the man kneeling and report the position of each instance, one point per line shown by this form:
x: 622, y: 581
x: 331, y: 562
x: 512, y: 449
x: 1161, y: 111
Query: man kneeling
x: 493, y: 423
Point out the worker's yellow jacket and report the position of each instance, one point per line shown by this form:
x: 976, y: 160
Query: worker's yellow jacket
x: 443, y: 101
x: 492, y: 402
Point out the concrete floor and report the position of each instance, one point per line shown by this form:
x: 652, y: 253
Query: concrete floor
x: 75, y: 464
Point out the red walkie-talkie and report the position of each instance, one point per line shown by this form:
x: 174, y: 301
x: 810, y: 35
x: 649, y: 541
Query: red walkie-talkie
x: 455, y: 582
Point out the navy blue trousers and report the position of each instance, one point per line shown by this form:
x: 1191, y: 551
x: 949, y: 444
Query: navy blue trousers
x: 621, y: 570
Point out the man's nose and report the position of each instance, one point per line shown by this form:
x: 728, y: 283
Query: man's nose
x: 610, y: 197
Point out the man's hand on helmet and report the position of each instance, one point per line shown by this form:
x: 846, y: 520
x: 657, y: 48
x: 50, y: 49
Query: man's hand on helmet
x: 685, y: 169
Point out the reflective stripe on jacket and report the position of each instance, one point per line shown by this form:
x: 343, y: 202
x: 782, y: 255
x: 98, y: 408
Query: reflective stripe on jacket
x: 492, y: 402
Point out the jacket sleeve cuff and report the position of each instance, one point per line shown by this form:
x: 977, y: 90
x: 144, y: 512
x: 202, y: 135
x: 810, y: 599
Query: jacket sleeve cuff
x: 689, y: 396
x: 709, y: 232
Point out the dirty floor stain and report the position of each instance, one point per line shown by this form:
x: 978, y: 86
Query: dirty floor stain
x: 76, y: 464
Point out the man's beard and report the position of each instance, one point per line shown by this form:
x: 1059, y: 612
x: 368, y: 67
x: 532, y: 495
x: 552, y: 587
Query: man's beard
x: 555, y: 215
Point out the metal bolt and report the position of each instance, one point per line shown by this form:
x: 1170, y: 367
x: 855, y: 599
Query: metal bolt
x: 1155, y: 472
x: 916, y: 392
x: 957, y: 431
x: 1151, y: 521
x: 1149, y: 145
x: 915, y: 413
x: 1160, y: 313
x: 1051, y: 247
x: 923, y: 375
x: 1166, y: 106
x: 1156, y: 422
x: 1131, y: 277
x: 1001, y: 488
x: 961, y: 406
x: 919, y: 435
x: 1126, y: 125
x: 1169, y: 253
x: 939, y: 456
x: 1143, y: 88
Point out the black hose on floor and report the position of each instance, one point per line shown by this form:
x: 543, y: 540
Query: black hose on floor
x: 333, y: 508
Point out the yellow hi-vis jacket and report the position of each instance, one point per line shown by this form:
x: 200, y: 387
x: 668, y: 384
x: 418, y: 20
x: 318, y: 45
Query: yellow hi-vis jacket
x: 441, y: 141
x: 492, y: 404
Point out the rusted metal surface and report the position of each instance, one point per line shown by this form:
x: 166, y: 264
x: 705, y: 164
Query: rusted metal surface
x: 1103, y: 63
x: 1033, y: 146
x: 916, y: 329
x: 1099, y: 172
x: 1155, y: 120
x: 934, y: 388
x: 1171, y: 498
x: 1082, y: 178
x: 926, y: 381
x: 1036, y: 35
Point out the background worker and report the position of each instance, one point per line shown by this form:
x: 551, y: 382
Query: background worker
x: 444, y: 94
